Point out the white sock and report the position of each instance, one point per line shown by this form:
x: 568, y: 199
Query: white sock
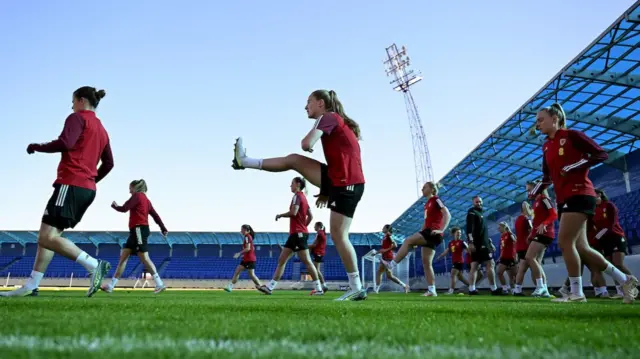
x: 156, y: 278
x: 472, y: 288
x: 318, y: 286
x: 431, y: 288
x: 576, y: 286
x: 494, y: 286
x: 451, y: 290
x: 616, y: 274
x: 249, y: 162
x: 619, y: 289
x: 87, y: 261
x: 505, y: 288
x: 402, y: 283
x: 114, y: 281
x: 603, y: 290
x: 272, y: 285
x: 598, y: 290
x: 354, y: 281
x: 518, y: 288
x: 540, y: 283
x: 34, y: 280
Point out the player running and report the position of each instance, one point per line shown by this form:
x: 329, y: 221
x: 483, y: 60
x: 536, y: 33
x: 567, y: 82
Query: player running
x: 341, y: 180
x: 83, y: 143
x: 436, y: 220
x: 481, y: 247
x: 567, y: 157
x: 610, y: 235
x: 248, y: 262
x: 507, y: 257
x: 542, y: 235
x: 456, y: 247
x: 300, y: 217
x: 140, y: 208
x: 523, y: 228
x: 388, y: 245
x: 318, y: 249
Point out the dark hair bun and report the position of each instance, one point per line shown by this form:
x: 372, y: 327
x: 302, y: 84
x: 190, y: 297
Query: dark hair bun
x: 100, y: 94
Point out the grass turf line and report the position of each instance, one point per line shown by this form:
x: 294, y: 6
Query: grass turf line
x: 293, y: 324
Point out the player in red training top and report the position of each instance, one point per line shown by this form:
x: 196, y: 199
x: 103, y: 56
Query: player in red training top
x: 455, y: 247
x: 139, y: 208
x: 523, y: 228
x: 386, y: 252
x: 82, y: 144
x: 542, y: 235
x: 567, y: 157
x: 318, y: 249
x: 507, y: 261
x: 341, y: 180
x: 248, y: 262
x: 610, y: 234
x: 300, y: 217
x: 436, y: 220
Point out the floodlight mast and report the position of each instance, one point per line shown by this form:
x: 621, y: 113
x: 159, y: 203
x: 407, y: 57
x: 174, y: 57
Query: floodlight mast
x: 397, y: 66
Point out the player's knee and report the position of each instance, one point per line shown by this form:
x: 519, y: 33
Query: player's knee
x: 293, y: 158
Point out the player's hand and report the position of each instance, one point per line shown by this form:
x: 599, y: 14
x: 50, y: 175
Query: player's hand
x: 310, y: 150
x: 277, y: 217
x: 32, y: 148
x: 321, y: 201
x: 472, y: 247
x: 542, y: 229
x: 114, y: 204
x: 164, y: 233
x: 235, y: 256
x: 436, y: 231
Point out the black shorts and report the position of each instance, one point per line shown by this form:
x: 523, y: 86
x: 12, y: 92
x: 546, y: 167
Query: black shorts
x: 297, y: 242
x: 613, y: 243
x: 578, y: 204
x: 510, y: 263
x: 481, y: 255
x: 317, y: 258
x: 343, y: 200
x: 433, y: 240
x: 137, y: 240
x: 458, y: 266
x: 67, y: 205
x: 248, y: 265
x: 546, y: 241
x: 521, y: 255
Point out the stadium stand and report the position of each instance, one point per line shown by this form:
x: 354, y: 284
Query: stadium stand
x: 599, y: 90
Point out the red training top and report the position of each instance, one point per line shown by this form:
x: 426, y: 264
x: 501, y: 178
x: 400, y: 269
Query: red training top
x: 523, y: 231
x: 456, y: 247
x: 298, y: 223
x: 83, y: 143
x: 565, y: 164
x: 507, y: 246
x: 140, y: 208
x: 341, y: 150
x: 387, y: 242
x: 433, y: 218
x: 606, y: 220
x: 544, y: 213
x: 249, y: 256
x: 321, y: 243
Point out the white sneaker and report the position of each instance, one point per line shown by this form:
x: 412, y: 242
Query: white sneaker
x: 430, y: 294
x: 570, y: 299
x: 106, y: 288
x: 537, y: 293
x: 20, y: 292
x: 239, y: 153
x: 617, y: 296
x: 564, y: 292
x: 630, y: 289
x: 159, y: 289
x: 353, y: 295
x: 604, y: 295
x: 449, y: 292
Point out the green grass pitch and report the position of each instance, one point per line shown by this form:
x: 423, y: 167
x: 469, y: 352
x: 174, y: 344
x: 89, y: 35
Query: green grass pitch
x: 291, y: 324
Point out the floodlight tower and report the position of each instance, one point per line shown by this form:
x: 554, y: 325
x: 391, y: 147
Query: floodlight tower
x: 397, y: 66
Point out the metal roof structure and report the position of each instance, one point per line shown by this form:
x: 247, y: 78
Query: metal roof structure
x: 600, y: 92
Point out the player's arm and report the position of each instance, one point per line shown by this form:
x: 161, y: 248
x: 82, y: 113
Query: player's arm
x: 546, y: 180
x: 471, y: 219
x: 157, y: 219
x: 587, y: 146
x: 309, y: 217
x: 446, y: 251
x: 293, y: 209
x: 73, y: 127
x: 323, y: 126
x: 127, y: 206
x: 393, y: 245
x: 612, y: 213
x: 106, y: 163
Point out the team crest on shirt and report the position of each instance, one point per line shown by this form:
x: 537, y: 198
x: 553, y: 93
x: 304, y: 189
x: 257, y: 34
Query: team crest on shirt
x: 563, y: 141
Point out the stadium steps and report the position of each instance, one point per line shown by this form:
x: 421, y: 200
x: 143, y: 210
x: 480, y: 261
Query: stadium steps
x: 6, y: 266
x: 163, y: 266
x: 136, y: 271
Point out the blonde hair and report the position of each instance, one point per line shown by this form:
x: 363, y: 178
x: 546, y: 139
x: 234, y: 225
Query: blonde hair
x: 556, y: 110
x: 504, y: 225
x: 526, y: 208
x: 434, y: 187
x: 139, y: 186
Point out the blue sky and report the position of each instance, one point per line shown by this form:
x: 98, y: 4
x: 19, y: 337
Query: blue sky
x: 183, y: 80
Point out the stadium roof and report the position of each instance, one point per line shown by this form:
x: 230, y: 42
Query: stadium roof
x: 599, y: 90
